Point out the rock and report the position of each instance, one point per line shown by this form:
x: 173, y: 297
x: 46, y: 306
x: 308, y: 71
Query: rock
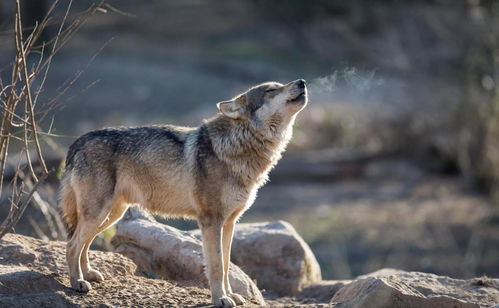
x: 161, y: 250
x: 275, y: 256
x: 272, y: 253
x: 392, y: 288
x: 323, y: 291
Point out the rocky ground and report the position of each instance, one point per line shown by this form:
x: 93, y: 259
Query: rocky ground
x: 33, y: 273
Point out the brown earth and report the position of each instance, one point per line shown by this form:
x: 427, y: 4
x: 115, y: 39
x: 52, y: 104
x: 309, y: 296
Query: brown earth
x: 44, y: 265
x: 34, y: 273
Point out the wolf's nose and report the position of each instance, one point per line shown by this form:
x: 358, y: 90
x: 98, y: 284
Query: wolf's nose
x: 301, y: 83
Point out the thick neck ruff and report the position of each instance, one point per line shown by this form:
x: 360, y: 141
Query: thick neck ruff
x: 249, y: 153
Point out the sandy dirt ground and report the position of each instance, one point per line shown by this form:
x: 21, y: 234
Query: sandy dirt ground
x: 33, y: 273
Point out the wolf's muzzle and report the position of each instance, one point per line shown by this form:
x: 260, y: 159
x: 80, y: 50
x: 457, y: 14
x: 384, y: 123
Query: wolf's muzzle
x: 298, y: 91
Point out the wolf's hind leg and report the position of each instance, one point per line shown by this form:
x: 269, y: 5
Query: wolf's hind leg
x: 73, y: 254
x: 117, y: 210
x: 92, y: 211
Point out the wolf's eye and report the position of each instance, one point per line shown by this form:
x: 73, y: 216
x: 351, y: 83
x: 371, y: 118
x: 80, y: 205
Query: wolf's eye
x: 270, y: 90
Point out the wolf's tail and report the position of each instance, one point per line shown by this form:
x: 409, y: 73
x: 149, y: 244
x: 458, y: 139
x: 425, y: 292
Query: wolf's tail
x: 67, y: 207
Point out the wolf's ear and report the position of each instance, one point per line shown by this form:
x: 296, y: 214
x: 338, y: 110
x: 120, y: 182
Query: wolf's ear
x: 232, y: 109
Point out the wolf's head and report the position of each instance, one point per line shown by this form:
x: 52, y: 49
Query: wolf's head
x: 268, y: 106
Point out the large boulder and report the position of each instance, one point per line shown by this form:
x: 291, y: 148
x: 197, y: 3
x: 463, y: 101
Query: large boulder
x: 161, y: 250
x: 393, y: 288
x: 275, y: 256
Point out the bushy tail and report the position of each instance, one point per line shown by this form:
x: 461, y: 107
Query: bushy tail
x: 67, y: 208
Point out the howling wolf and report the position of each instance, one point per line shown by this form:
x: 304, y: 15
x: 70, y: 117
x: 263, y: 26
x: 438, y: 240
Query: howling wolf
x: 210, y: 173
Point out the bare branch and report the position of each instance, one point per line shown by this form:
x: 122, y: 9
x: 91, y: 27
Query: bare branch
x: 22, y: 124
x: 29, y: 101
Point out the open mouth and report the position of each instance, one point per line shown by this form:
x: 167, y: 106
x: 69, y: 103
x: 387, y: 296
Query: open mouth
x: 300, y: 97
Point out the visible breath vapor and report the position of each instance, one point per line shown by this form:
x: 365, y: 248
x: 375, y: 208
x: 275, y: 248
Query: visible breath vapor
x: 360, y: 92
x: 349, y: 79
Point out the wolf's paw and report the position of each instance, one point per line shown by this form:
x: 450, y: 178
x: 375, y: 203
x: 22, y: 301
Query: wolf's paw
x: 81, y: 285
x: 238, y: 299
x: 224, y: 302
x: 93, y: 275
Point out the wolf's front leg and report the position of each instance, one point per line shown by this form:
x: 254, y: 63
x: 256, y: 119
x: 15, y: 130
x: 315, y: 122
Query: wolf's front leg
x: 228, y: 234
x: 211, y: 228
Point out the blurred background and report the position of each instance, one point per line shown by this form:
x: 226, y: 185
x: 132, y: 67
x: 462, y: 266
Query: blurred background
x: 395, y: 161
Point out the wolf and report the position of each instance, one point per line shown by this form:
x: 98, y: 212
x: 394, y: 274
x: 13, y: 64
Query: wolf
x: 210, y: 173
